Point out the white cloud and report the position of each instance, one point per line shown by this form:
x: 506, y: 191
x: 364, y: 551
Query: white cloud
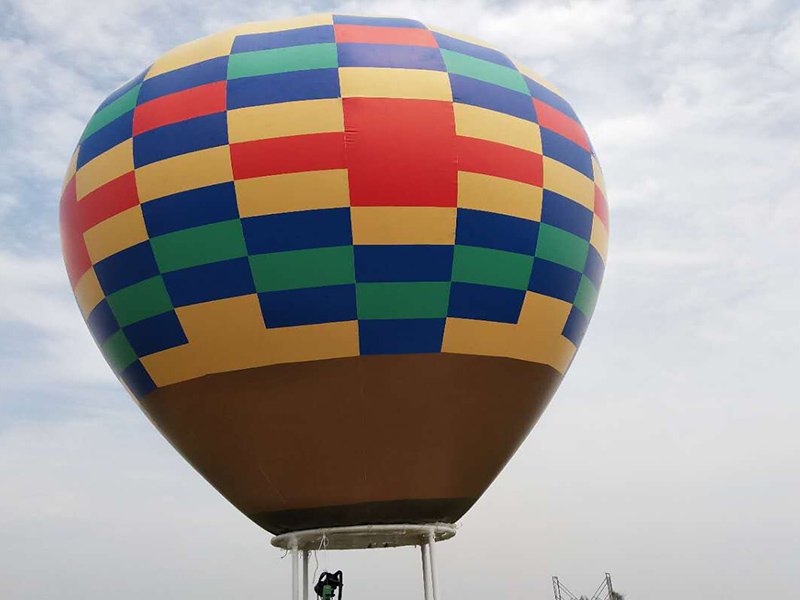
x: 786, y: 45
x: 675, y: 421
x: 46, y: 344
x: 7, y: 202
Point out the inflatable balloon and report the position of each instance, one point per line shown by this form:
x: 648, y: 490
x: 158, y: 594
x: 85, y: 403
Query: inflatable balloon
x: 342, y: 263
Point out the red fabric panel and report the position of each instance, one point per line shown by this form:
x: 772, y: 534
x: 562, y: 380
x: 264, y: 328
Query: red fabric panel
x: 491, y: 158
x: 365, y: 34
x: 555, y: 120
x: 108, y: 200
x: 400, y: 152
x: 294, y: 154
x: 181, y: 106
x: 76, y: 257
x: 600, y: 206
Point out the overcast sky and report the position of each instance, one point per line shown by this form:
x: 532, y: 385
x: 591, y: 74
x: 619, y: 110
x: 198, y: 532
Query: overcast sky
x: 670, y: 456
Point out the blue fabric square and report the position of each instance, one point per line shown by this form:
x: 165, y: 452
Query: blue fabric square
x: 313, y: 84
x: 401, y: 336
x: 155, y: 334
x: 403, y: 263
x: 566, y: 151
x: 298, y: 230
x: 105, y: 138
x: 390, y: 56
x: 576, y: 325
x: 193, y: 208
x: 180, y: 138
x: 500, y: 232
x: 214, y: 281
x: 540, y: 92
x: 126, y: 267
x: 467, y: 90
x: 474, y: 50
x: 554, y: 280
x: 207, y: 71
x: 102, y: 322
x: 307, y: 306
x: 566, y: 214
x: 595, y: 267
x: 138, y: 380
x: 485, y: 303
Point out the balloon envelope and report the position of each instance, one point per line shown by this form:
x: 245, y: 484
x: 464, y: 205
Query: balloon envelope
x: 341, y: 262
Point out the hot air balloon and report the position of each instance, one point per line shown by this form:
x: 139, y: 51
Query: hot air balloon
x: 342, y: 263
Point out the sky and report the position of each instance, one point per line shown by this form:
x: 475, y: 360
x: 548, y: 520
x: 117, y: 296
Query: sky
x: 669, y: 457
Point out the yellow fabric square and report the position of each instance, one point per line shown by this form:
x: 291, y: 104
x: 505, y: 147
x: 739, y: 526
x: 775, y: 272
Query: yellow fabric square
x: 229, y: 334
x: 283, y: 24
x: 403, y: 225
x: 184, y: 172
x: 476, y: 122
x: 496, y: 194
x: 535, y: 338
x: 73, y: 163
x: 88, y: 292
x: 599, y: 179
x: 599, y: 238
x: 368, y: 82
x: 173, y: 365
x: 206, y: 48
x: 104, y: 168
x: 292, y: 192
x: 568, y: 182
x: 285, y: 119
x: 121, y: 231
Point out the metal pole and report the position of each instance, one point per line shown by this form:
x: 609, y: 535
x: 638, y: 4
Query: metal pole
x: 426, y: 578
x: 305, y: 573
x: 431, y: 550
x: 295, y: 587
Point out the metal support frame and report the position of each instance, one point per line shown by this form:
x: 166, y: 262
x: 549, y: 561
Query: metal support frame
x: 297, y: 586
x: 306, y: 554
x: 426, y: 576
x: 559, y: 587
x: 604, y: 592
x: 610, y: 586
x: 363, y: 537
x: 432, y: 556
x: 556, y: 588
x: 295, y: 574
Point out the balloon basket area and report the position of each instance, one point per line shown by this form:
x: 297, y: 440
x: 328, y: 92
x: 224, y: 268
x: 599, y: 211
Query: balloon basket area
x: 364, y: 537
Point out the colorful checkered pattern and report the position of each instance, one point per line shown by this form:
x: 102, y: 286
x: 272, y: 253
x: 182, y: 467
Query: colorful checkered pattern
x: 332, y: 186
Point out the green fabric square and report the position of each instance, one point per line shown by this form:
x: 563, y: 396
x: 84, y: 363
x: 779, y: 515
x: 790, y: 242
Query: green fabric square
x: 403, y: 300
x: 199, y: 245
x: 586, y: 297
x: 283, y: 60
x: 118, y: 352
x: 104, y: 116
x: 485, y: 266
x: 140, y: 301
x: 562, y: 247
x: 469, y: 66
x: 297, y: 269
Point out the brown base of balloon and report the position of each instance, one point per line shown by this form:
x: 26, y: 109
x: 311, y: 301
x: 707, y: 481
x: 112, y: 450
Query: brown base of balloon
x: 353, y: 441
x: 439, y: 510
